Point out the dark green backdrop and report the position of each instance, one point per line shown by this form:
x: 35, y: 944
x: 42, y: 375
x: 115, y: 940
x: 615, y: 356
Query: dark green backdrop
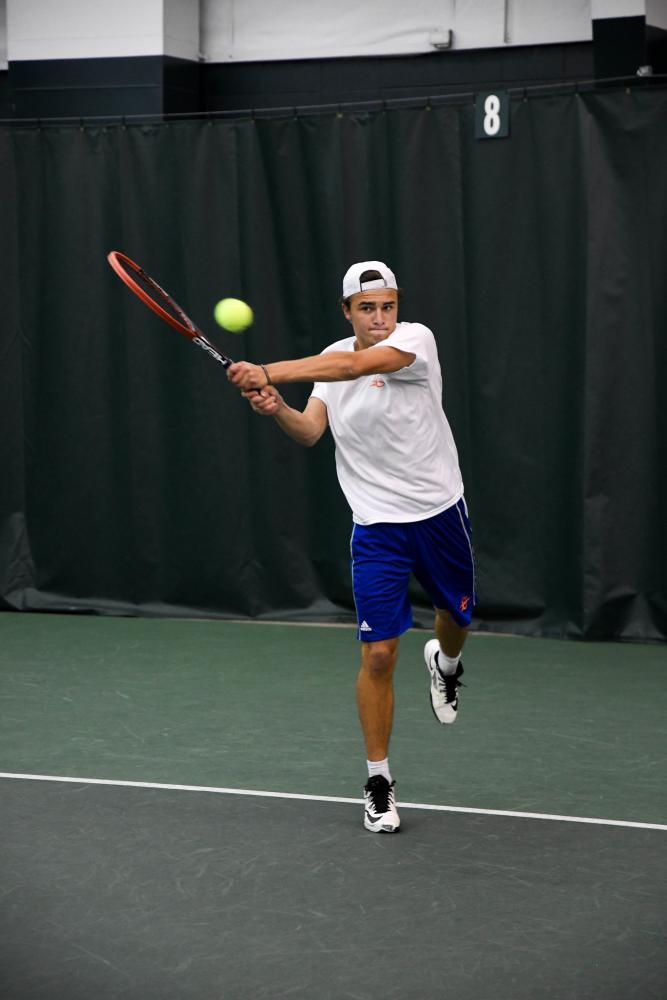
x: 135, y: 480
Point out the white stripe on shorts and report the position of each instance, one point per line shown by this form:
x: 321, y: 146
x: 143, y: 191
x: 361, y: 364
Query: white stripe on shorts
x: 354, y: 596
x: 472, y: 554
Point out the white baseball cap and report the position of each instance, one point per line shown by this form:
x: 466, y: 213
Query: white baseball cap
x: 352, y: 281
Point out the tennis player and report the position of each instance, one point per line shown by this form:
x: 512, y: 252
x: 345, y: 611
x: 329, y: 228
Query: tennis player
x: 380, y: 392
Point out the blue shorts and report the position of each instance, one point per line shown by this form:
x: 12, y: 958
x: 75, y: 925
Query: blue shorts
x: 438, y: 551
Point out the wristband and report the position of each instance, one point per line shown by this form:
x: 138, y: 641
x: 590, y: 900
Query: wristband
x: 266, y: 375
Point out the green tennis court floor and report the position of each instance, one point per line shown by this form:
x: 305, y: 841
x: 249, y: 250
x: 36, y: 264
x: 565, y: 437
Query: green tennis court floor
x: 545, y: 726
x: 182, y: 820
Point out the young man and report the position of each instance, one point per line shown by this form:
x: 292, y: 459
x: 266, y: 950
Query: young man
x: 380, y: 392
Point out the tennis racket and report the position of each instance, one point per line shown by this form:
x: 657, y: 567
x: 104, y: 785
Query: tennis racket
x: 155, y: 297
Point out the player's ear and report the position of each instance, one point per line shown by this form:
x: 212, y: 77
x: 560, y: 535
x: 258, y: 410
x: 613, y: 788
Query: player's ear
x: 346, y: 311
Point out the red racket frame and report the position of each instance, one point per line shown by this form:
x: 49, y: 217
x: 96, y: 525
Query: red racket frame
x: 124, y: 265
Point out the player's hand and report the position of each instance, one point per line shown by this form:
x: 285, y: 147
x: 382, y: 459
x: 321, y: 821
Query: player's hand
x: 267, y: 401
x: 246, y: 376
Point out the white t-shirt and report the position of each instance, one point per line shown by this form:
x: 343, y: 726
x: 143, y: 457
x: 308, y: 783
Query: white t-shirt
x: 395, y: 454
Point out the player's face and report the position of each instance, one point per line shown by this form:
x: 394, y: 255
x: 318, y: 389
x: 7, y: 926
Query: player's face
x: 373, y: 315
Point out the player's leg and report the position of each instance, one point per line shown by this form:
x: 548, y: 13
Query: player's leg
x: 450, y: 634
x: 375, y: 701
x: 375, y: 695
x: 380, y: 575
x: 446, y: 570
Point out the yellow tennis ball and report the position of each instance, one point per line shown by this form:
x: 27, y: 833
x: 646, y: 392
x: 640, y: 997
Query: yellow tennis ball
x: 233, y: 314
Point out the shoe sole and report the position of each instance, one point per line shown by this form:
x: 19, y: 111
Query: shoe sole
x: 377, y: 826
x: 381, y: 829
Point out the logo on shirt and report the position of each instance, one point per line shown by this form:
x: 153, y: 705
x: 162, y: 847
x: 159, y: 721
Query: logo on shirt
x: 365, y: 627
x: 463, y: 606
x: 377, y: 382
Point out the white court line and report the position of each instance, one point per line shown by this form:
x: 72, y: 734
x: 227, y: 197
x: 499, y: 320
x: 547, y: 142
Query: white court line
x: 328, y: 798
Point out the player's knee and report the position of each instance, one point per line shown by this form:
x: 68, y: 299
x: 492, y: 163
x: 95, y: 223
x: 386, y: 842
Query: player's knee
x: 379, y: 659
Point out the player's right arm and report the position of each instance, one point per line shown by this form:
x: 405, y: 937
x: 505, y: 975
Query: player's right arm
x: 304, y: 426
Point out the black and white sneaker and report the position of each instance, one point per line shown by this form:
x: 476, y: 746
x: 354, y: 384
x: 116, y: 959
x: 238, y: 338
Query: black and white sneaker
x: 444, y: 688
x: 380, y: 814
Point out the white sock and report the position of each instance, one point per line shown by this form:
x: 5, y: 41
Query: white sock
x: 447, y: 664
x: 379, y: 767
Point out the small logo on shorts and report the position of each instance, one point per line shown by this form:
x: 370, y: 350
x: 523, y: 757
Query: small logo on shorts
x: 365, y: 627
x: 377, y: 382
x: 463, y: 606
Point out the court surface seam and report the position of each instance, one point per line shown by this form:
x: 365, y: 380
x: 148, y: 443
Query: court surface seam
x: 348, y: 625
x: 329, y: 798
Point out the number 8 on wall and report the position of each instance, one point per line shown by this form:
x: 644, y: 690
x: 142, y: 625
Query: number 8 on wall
x: 492, y: 115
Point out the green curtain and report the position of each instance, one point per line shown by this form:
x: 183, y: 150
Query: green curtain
x: 136, y: 481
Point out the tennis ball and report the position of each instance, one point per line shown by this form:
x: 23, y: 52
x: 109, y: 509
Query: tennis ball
x: 233, y: 314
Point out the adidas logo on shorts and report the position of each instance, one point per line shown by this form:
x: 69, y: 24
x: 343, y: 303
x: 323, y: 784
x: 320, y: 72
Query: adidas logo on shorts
x: 365, y: 627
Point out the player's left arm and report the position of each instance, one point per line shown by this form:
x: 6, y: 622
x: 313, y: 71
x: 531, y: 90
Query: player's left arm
x: 334, y: 366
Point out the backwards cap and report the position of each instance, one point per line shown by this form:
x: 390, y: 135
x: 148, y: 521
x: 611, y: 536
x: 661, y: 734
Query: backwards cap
x: 352, y: 281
